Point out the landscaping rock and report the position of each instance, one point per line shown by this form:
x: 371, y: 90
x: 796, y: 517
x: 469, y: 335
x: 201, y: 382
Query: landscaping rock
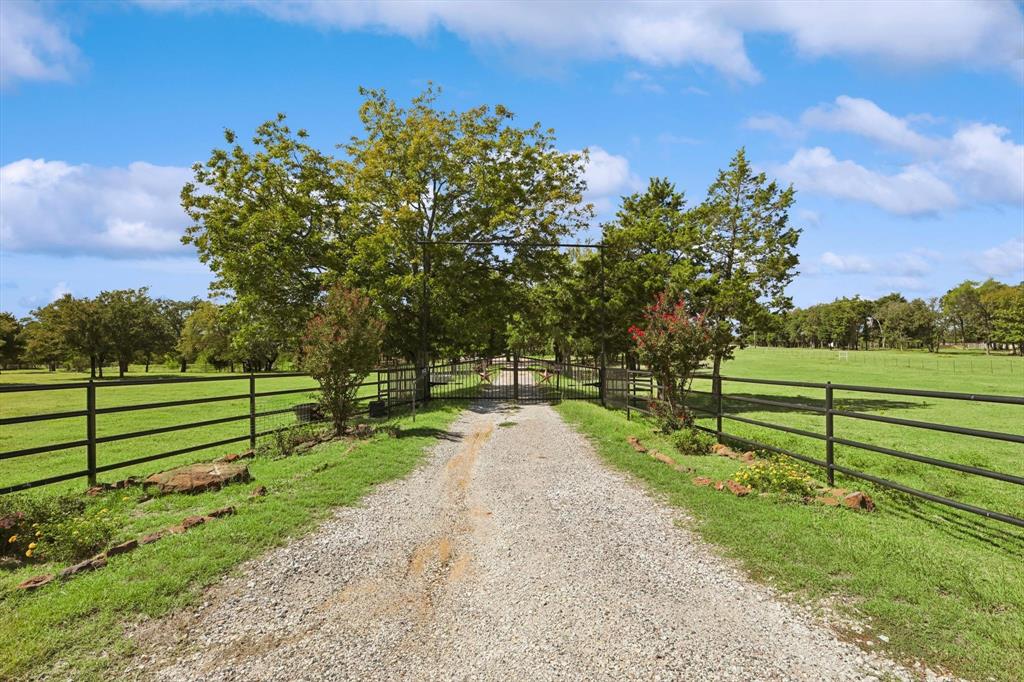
x: 663, y: 458
x: 36, y: 581
x: 152, y: 537
x: 191, y: 521
x: 223, y: 511
x: 827, y: 500
x: 738, y: 489
x: 258, y: 491
x: 90, y: 564
x: 633, y: 441
x: 702, y: 480
x: 122, y: 548
x: 234, y: 456
x: 859, y: 500
x: 199, y: 477
x: 361, y: 431
x: 11, y: 520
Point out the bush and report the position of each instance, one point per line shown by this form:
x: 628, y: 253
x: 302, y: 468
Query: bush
x: 673, y: 343
x: 340, y: 347
x: 691, y: 441
x: 777, y: 477
x: 59, y: 528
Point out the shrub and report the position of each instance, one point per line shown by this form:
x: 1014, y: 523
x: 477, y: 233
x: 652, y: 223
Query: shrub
x: 776, y: 476
x: 673, y: 344
x: 59, y: 528
x: 691, y: 441
x: 340, y: 347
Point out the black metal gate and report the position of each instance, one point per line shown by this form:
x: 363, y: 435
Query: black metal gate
x: 514, y: 378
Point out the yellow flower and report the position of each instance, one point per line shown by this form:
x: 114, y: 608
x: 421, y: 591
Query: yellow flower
x: 39, y: 533
x: 29, y: 553
x: 31, y: 545
x: 13, y: 538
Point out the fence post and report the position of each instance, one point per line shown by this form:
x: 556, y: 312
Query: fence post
x: 829, y: 444
x: 90, y: 431
x: 252, y: 410
x: 716, y: 384
x: 629, y: 394
x: 515, y: 377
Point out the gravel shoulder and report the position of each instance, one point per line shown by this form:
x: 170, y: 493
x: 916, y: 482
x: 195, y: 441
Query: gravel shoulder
x: 512, y: 553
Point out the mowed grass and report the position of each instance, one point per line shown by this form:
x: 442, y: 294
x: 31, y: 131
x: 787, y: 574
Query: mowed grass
x: 113, y: 393
x: 944, y: 587
x: 75, y: 628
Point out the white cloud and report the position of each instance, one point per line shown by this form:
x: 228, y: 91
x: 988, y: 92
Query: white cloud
x: 608, y: 177
x: 846, y: 264
x: 990, y: 165
x: 1004, y: 260
x: 865, y: 118
x: 912, y: 191
x: 32, y: 46
x: 707, y: 33
x: 809, y: 217
x: 55, y: 207
x: 979, y: 158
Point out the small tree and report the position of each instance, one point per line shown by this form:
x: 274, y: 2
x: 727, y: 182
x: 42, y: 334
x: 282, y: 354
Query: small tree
x: 340, y: 347
x: 673, y: 343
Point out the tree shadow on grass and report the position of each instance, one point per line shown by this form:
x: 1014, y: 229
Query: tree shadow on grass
x: 429, y: 432
x: 732, y: 403
x: 956, y: 524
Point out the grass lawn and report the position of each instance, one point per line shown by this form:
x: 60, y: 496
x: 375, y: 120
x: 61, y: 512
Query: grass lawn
x: 943, y: 586
x: 111, y: 393
x: 75, y: 627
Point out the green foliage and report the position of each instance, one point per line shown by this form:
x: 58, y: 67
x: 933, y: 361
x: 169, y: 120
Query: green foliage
x: 12, y: 345
x: 775, y: 476
x: 672, y: 343
x: 749, y: 253
x: 52, y: 528
x: 340, y: 347
x: 281, y: 223
x: 691, y: 441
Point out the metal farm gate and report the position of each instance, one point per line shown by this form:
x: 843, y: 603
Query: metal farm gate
x: 514, y: 378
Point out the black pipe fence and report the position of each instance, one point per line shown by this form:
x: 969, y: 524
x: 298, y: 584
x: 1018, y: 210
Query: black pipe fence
x: 388, y: 387
x: 641, y: 388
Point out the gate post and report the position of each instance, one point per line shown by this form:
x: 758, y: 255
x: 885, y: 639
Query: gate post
x: 515, y: 377
x: 829, y: 436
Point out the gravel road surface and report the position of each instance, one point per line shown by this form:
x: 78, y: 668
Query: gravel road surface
x: 512, y: 553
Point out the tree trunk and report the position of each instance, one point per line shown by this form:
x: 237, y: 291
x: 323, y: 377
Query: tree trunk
x: 184, y: 365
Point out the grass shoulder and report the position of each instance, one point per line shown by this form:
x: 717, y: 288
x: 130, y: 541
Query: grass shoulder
x: 76, y: 627
x: 941, y: 588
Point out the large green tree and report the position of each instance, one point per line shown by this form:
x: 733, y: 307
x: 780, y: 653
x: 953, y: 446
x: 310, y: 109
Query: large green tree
x: 280, y: 223
x: 748, y: 250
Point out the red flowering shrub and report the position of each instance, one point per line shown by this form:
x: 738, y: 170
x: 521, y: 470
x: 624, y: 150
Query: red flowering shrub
x: 673, y: 344
x: 340, y: 347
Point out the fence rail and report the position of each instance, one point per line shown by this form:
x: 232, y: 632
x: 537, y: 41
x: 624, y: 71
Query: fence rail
x: 91, y: 413
x: 641, y: 389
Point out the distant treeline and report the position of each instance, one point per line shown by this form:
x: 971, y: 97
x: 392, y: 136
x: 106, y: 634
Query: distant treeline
x: 989, y: 313
x: 127, y: 326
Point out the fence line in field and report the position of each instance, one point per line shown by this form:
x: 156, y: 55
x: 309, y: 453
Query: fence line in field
x: 641, y: 389
x: 388, y: 389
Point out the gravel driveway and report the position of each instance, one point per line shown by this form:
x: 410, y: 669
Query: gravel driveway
x: 512, y: 553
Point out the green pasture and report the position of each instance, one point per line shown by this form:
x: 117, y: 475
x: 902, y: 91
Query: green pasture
x: 114, y: 393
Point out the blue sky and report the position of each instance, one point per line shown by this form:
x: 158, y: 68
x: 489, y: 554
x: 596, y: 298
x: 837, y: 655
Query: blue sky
x: 901, y: 126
